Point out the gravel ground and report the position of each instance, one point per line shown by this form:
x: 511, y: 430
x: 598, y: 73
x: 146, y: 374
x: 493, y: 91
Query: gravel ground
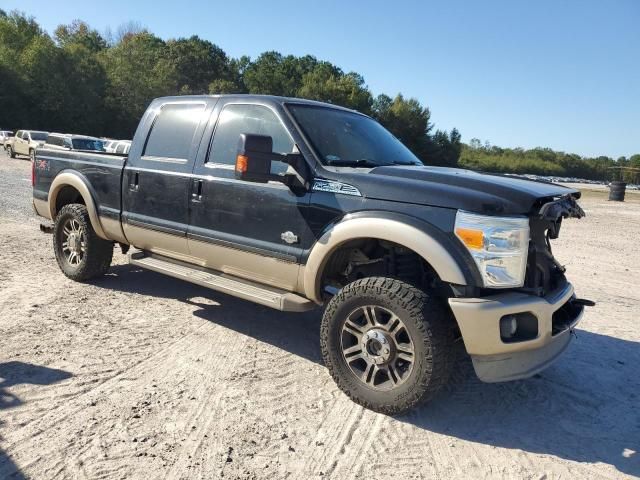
x: 137, y: 375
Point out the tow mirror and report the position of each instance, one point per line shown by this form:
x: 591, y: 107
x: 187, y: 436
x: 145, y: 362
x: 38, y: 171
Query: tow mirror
x: 255, y: 154
x: 255, y: 157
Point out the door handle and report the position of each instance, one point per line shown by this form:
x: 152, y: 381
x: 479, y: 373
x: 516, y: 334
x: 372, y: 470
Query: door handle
x: 196, y: 191
x: 134, y: 185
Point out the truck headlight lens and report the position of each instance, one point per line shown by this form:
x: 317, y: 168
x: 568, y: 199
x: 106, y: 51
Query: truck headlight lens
x: 499, y: 246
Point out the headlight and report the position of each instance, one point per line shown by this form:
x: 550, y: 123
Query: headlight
x: 499, y: 246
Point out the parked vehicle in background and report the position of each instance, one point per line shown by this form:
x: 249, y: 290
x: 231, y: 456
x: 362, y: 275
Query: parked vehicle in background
x: 26, y: 142
x: 118, y: 146
x: 123, y: 147
x: 109, y: 145
x: 67, y: 141
x: 4, y: 136
x: 294, y: 204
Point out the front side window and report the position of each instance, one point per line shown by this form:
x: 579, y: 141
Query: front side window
x: 172, y: 132
x: 344, y: 138
x: 235, y: 120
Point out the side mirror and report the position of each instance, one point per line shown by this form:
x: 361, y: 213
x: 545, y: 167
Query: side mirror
x: 254, y: 159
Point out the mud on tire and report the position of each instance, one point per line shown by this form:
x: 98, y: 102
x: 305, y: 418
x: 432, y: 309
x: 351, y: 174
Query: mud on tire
x: 80, y: 253
x: 426, y: 327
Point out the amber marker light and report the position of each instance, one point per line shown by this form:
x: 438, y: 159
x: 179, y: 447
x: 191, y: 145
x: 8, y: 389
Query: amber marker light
x: 471, y: 238
x: 242, y: 162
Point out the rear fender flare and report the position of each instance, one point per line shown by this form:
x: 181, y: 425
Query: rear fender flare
x: 77, y: 181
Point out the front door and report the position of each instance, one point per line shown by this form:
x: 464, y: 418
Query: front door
x: 251, y: 230
x: 157, y: 176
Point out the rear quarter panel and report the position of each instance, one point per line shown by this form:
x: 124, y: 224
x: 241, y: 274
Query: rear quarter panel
x: 102, y: 173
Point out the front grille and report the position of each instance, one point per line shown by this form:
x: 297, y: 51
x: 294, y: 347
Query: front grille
x: 544, y: 274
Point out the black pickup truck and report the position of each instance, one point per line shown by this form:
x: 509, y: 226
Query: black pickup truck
x: 295, y: 204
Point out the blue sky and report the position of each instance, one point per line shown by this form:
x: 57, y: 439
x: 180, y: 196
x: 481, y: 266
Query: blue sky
x: 562, y: 74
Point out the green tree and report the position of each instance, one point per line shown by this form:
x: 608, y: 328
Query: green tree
x: 274, y: 74
x: 79, y: 33
x: 195, y: 64
x: 407, y: 120
x: 327, y: 83
x: 137, y: 72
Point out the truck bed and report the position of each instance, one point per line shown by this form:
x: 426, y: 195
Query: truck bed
x: 102, y: 171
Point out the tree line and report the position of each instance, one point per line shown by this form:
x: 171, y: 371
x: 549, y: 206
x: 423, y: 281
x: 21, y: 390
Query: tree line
x: 80, y: 81
x: 545, y: 161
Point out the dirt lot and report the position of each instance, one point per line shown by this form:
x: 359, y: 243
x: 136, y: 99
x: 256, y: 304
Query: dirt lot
x: 141, y: 376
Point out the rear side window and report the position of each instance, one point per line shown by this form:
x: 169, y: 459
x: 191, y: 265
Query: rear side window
x: 172, y: 131
x: 238, y: 119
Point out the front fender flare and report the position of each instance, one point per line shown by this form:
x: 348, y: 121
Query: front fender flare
x: 76, y: 181
x: 381, y: 228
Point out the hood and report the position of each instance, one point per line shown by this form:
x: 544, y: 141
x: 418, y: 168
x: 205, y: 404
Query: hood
x: 457, y: 188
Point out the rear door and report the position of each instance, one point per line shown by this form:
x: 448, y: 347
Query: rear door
x: 157, y: 176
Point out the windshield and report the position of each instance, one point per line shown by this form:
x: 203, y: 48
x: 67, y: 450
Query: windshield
x: 88, y: 144
x: 39, y: 136
x: 349, y: 139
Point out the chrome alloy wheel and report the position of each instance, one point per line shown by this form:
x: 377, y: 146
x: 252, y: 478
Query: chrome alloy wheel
x: 74, y: 241
x: 377, y: 347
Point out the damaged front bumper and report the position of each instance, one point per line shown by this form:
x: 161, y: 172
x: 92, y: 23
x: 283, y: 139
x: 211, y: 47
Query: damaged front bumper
x: 546, y: 324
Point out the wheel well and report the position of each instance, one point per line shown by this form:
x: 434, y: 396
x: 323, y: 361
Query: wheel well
x: 368, y: 257
x: 66, y: 196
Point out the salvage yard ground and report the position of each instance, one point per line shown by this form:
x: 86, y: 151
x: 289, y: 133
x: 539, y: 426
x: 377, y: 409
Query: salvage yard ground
x: 137, y: 375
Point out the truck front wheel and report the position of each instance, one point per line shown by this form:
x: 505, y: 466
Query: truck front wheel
x: 10, y: 151
x: 387, y: 344
x: 80, y: 253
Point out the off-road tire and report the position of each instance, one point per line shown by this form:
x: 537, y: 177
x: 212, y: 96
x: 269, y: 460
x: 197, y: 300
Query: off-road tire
x: 428, y: 323
x: 11, y: 153
x: 98, y: 252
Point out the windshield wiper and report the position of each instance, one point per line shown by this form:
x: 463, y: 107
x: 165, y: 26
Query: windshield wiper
x: 414, y: 164
x: 363, y: 162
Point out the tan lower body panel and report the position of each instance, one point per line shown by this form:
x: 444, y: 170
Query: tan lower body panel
x: 173, y: 246
x: 42, y: 208
x: 113, y: 229
x: 243, y: 264
x: 239, y: 263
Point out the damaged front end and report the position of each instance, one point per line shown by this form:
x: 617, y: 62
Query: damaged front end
x: 544, y: 273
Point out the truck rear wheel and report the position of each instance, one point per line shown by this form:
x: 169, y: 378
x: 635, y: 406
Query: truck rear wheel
x: 80, y: 253
x: 10, y: 151
x: 387, y: 344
